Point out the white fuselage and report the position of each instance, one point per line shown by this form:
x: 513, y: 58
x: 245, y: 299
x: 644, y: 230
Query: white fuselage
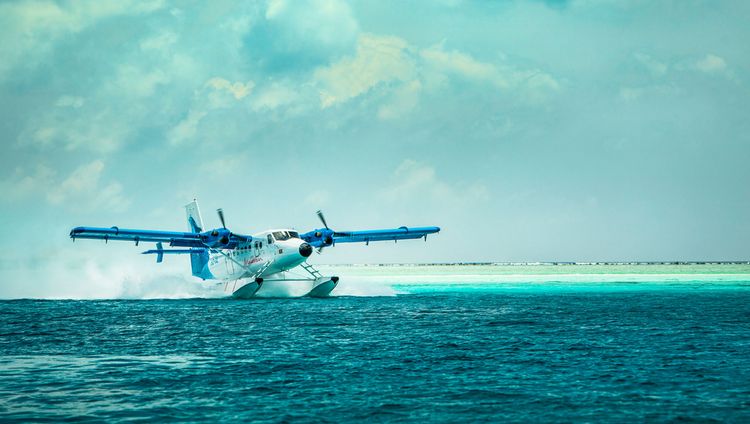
x: 279, y: 247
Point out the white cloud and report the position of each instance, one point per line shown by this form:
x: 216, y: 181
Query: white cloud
x: 137, y: 82
x: 109, y: 113
x: 711, y: 64
x: 108, y: 107
x: 83, y: 179
x: 378, y: 60
x: 275, y: 8
x: 405, y: 98
x: 22, y: 184
x: 159, y: 42
x: 101, y: 131
x: 82, y: 189
x: 532, y: 83
x: 654, y: 66
x: 224, y: 166
x: 404, y: 71
x: 185, y: 130
x: 31, y: 29
x: 413, y: 179
x: 274, y: 96
x: 670, y: 75
x: 462, y: 64
x: 216, y: 93
x: 237, y: 89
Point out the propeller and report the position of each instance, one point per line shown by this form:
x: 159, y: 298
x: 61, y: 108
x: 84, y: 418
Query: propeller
x: 220, y: 211
x: 325, y: 224
x: 327, y: 235
x: 225, y: 239
x: 322, y: 219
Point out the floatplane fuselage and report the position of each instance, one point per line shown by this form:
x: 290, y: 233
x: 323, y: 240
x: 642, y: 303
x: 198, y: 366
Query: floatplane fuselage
x: 244, y: 263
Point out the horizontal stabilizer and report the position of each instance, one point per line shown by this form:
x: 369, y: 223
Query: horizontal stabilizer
x: 160, y: 252
x: 172, y: 251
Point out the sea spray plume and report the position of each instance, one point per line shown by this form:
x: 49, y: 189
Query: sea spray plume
x: 165, y: 286
x: 59, y: 273
x: 120, y: 282
x: 364, y: 287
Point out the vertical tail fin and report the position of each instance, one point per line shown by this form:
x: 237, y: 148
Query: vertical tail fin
x: 198, y: 261
x: 195, y: 223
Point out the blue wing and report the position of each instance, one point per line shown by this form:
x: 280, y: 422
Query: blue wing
x: 218, y: 238
x: 365, y: 236
x: 174, y: 238
x: 326, y: 237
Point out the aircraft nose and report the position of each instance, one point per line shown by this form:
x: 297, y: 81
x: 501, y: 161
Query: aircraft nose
x: 305, y: 250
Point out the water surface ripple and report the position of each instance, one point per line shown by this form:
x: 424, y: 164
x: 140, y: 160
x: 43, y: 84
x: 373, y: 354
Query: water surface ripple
x: 430, y: 356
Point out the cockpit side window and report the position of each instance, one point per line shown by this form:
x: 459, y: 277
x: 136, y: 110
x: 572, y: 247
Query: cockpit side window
x: 270, y: 239
x: 285, y: 235
x: 280, y: 235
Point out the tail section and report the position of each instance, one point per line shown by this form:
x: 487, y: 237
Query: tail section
x: 198, y: 261
x: 195, y: 223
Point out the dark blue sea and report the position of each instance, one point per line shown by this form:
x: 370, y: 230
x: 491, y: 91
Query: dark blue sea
x: 671, y: 355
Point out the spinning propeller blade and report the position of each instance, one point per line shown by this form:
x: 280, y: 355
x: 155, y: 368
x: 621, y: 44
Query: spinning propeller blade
x: 322, y: 219
x: 240, y: 237
x: 221, y: 217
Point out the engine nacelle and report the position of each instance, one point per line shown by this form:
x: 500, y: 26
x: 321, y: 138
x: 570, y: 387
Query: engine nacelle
x: 322, y: 237
x: 219, y: 238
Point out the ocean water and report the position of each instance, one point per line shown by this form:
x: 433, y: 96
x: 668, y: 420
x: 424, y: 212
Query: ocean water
x: 405, y: 344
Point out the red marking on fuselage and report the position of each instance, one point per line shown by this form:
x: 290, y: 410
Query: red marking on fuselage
x: 252, y: 261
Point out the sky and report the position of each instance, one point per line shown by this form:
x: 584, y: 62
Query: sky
x: 573, y: 130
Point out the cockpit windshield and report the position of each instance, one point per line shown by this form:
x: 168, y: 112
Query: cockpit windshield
x: 285, y: 235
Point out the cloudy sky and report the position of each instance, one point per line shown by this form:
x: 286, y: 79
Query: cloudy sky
x: 527, y: 130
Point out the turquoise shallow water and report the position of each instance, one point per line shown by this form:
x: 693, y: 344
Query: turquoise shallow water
x: 552, y: 351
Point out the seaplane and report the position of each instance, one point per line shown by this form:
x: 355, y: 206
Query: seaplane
x: 245, y: 263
